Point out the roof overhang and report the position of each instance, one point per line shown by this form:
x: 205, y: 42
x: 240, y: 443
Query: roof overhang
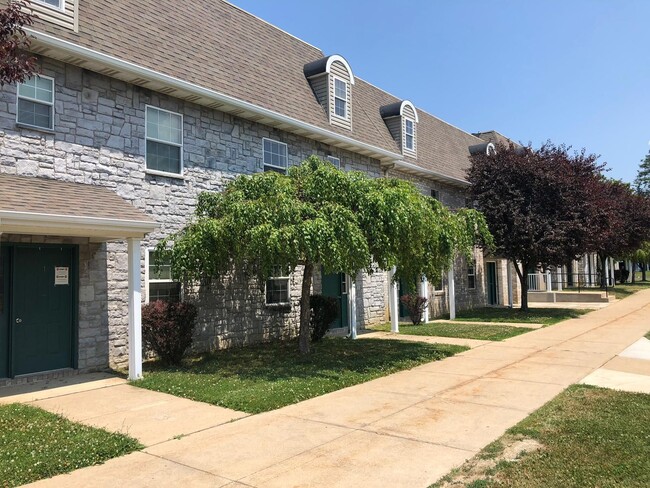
x: 68, y: 52
x: 414, y: 169
x: 95, y: 228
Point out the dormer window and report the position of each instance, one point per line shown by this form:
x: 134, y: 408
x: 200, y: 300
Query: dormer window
x: 332, y: 80
x: 409, y: 135
x: 340, y: 98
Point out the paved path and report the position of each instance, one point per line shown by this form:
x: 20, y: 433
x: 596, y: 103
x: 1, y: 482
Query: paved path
x: 404, y: 430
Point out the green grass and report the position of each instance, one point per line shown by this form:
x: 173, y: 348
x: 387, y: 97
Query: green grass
x: 647, y: 336
x: 589, y: 437
x: 546, y: 316
x: 460, y: 330
x: 624, y: 291
x: 35, y: 444
x: 268, y: 376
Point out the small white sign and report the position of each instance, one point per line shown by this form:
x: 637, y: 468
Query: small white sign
x: 61, y: 275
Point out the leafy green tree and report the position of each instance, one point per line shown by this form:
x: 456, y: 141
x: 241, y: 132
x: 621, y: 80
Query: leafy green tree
x: 642, y: 180
x: 16, y: 64
x: 317, y: 215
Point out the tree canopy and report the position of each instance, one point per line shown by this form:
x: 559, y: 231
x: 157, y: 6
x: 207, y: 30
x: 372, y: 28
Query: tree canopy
x: 318, y: 215
x: 16, y: 64
x: 642, y: 180
x: 534, y: 203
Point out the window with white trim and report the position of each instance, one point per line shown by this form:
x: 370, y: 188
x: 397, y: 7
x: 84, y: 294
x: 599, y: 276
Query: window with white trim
x: 471, y: 274
x: 277, y: 288
x: 276, y: 155
x: 160, y: 283
x: 340, y: 98
x: 164, y: 135
x: 58, y: 4
x: 35, y: 102
x: 335, y: 161
x: 409, y: 134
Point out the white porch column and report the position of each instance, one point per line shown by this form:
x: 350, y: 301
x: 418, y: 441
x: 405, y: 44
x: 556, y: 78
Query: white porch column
x: 549, y: 284
x: 630, y: 266
x: 612, y: 274
x: 135, y: 312
x: 393, y: 296
x: 424, y: 292
x: 452, y: 293
x: 352, y: 305
x: 559, y: 278
x: 509, y: 278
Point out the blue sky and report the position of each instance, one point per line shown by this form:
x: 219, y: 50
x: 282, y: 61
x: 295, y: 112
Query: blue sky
x: 572, y: 71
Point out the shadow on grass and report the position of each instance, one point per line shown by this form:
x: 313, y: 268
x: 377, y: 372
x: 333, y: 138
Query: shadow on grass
x: 546, y: 316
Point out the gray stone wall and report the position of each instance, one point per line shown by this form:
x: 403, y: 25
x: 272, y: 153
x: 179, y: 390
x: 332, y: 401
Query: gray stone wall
x: 99, y: 138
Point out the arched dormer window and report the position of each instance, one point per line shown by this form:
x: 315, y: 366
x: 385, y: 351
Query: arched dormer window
x: 332, y: 79
x: 402, y: 119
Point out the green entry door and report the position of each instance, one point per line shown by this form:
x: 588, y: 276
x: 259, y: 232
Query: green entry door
x: 42, y: 309
x: 491, y: 283
x: 4, y: 312
x: 335, y: 285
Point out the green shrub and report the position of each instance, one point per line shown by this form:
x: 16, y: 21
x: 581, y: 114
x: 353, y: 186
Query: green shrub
x: 324, y: 311
x: 167, y: 329
x: 416, y: 306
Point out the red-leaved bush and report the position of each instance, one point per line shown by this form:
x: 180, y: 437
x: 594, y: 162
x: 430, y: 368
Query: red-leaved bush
x: 416, y: 306
x: 167, y: 329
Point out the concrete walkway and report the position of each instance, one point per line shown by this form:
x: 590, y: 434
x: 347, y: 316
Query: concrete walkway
x: 404, y: 430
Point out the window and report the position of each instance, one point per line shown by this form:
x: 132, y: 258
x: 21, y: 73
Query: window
x: 277, y: 288
x: 160, y: 285
x: 435, y: 194
x: 471, y: 274
x: 53, y: 3
x: 409, y: 135
x: 35, y: 103
x: 164, y: 141
x: 340, y: 98
x: 275, y: 156
x: 335, y: 161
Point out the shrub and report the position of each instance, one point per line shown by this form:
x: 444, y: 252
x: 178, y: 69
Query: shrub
x: 416, y: 306
x: 324, y: 311
x: 167, y: 329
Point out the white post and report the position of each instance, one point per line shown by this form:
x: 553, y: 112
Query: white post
x: 394, y: 304
x: 612, y: 274
x: 630, y: 266
x: 510, y: 293
x: 452, y: 293
x: 559, y: 278
x: 549, y: 284
x: 135, y: 312
x: 424, y: 292
x: 352, y: 305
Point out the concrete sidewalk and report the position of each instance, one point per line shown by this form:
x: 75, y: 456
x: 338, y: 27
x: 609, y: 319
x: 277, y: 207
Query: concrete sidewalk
x: 404, y: 430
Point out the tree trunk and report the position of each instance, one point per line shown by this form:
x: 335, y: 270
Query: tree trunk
x: 523, y: 281
x: 633, y: 271
x: 305, y: 309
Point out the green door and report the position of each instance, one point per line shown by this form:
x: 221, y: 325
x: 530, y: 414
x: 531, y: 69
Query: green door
x: 42, y: 309
x: 335, y: 285
x: 491, y: 283
x: 4, y: 312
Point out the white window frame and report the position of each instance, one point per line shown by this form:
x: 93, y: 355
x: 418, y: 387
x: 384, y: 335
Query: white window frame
x: 335, y: 161
x: 471, y: 266
x: 406, y: 134
x: 60, y: 7
x: 148, y: 281
x: 51, y: 104
x: 347, y: 89
x: 278, y: 304
x: 286, y: 155
x: 147, y: 138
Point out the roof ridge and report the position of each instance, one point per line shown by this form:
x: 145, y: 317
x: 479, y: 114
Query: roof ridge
x: 274, y: 26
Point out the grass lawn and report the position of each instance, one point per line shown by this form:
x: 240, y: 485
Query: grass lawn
x: 546, y: 316
x: 586, y: 436
x: 35, y: 444
x: 268, y: 376
x: 460, y: 330
x: 622, y: 291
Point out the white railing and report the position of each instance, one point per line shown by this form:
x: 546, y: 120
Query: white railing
x: 536, y: 282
